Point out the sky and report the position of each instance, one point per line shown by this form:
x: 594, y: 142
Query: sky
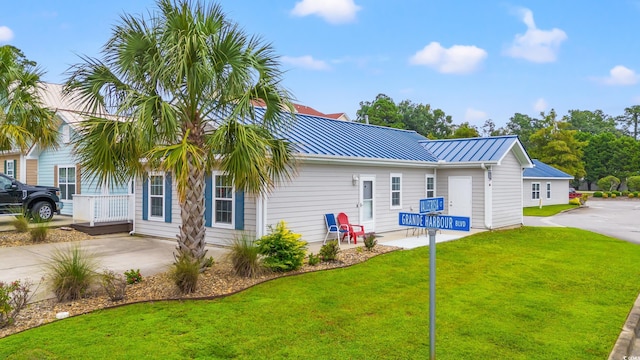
x: 475, y: 60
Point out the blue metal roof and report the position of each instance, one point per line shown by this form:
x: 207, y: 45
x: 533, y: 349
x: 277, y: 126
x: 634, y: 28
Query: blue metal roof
x: 542, y: 170
x: 315, y: 135
x: 478, y: 149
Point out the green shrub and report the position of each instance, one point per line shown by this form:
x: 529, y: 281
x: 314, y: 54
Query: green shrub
x: 39, y: 232
x: 185, y: 272
x: 616, y: 193
x: 314, y: 259
x: 633, y: 183
x: 370, y: 242
x: 208, y: 262
x: 624, y: 193
x: 613, y: 195
x: 635, y: 194
x: 113, y: 284
x: 20, y: 223
x: 14, y: 297
x: 71, y: 273
x: 630, y: 195
x: 606, y: 195
x: 133, y: 276
x: 583, y: 198
x: 283, y: 249
x: 608, y: 183
x: 575, y: 201
x: 245, y: 258
x: 597, y: 194
x: 330, y: 250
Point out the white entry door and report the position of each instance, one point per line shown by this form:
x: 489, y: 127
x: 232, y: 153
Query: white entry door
x: 367, y: 203
x: 460, y: 196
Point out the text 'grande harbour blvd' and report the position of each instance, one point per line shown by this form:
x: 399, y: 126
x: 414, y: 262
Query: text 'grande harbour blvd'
x: 443, y: 222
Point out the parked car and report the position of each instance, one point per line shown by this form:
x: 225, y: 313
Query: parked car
x: 574, y: 194
x: 37, y: 202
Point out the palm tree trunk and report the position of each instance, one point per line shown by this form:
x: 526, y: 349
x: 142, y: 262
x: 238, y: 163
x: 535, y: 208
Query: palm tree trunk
x: 191, y: 237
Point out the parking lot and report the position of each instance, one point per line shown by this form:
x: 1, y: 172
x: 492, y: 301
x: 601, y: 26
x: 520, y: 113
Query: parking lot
x: 619, y: 218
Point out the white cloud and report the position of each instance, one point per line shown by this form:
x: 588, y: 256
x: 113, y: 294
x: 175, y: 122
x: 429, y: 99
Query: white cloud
x: 306, y: 62
x: 332, y: 11
x: 458, y: 59
x: 536, y: 45
x: 6, y: 34
x: 474, y: 115
x: 621, y: 75
x: 540, y: 105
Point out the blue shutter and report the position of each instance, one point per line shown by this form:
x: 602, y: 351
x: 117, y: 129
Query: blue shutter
x: 167, y: 198
x: 208, y: 204
x: 239, y: 210
x: 145, y: 197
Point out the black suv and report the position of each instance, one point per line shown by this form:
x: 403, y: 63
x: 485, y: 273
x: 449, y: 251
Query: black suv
x: 39, y: 202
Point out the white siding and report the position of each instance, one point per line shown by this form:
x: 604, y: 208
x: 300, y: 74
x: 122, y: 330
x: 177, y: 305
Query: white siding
x: 213, y: 235
x: 507, y: 187
x: 477, y: 191
x: 559, y: 192
x: 319, y: 189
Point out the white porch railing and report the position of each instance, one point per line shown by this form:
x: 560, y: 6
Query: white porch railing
x: 102, y: 208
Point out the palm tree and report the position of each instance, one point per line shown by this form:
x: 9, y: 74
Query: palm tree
x: 182, y: 83
x: 24, y: 120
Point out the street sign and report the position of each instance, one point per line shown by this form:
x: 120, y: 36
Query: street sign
x: 443, y: 222
x: 431, y: 205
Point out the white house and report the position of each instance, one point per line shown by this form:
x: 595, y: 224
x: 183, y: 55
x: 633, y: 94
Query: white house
x: 369, y: 172
x: 544, y: 185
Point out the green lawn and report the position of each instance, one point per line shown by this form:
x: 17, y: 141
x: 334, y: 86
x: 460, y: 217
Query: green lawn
x: 529, y: 293
x: 548, y: 210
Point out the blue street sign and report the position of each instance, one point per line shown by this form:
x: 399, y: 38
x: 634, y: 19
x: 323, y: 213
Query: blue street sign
x: 443, y: 222
x: 431, y: 205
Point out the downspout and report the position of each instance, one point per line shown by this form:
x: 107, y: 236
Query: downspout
x: 488, y: 196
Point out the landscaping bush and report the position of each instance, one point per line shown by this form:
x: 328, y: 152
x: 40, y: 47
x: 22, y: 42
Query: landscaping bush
x: 114, y: 285
x: 370, y: 242
x: 330, y: 250
x: 20, y: 223
x: 133, y: 276
x: 597, y: 194
x: 633, y: 183
x: 314, y: 259
x: 575, y: 201
x: 630, y: 195
x: 616, y: 193
x: 608, y: 183
x: 14, y: 297
x: 613, y: 195
x: 624, y: 193
x: 39, y: 232
x: 583, y: 198
x: 208, y: 262
x: 185, y: 272
x: 245, y: 258
x: 635, y: 194
x: 283, y: 249
x: 71, y: 273
x: 605, y: 195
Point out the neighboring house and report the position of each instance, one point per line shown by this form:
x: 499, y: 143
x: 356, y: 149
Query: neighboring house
x: 19, y: 166
x: 58, y: 167
x: 369, y: 172
x: 544, y: 185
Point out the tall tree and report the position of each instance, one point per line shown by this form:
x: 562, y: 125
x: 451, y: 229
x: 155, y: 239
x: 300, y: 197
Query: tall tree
x: 183, y: 82
x: 489, y: 129
x: 24, y: 119
x: 465, y: 130
x: 630, y: 120
x: 556, y: 145
x: 524, y: 126
x: 382, y: 111
x: 596, y: 156
x: 593, y: 122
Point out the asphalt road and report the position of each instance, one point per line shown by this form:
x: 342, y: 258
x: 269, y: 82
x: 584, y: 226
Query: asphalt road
x: 619, y: 218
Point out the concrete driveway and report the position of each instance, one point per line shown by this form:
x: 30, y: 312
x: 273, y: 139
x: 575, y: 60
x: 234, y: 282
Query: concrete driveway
x: 619, y: 218
x: 118, y: 252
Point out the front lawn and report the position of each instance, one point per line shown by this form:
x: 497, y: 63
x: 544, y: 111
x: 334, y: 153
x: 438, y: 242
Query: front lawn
x: 548, y: 210
x: 529, y: 293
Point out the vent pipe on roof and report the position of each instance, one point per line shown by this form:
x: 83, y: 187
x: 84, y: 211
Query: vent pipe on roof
x: 366, y: 119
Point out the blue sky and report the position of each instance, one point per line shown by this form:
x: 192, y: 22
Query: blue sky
x: 473, y: 59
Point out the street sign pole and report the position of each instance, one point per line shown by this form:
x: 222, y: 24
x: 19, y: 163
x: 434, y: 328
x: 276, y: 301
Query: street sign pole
x: 432, y: 293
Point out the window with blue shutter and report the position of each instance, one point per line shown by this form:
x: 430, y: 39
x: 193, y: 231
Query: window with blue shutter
x: 208, y: 205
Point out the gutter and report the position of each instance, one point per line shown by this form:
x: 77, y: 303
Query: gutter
x: 488, y: 196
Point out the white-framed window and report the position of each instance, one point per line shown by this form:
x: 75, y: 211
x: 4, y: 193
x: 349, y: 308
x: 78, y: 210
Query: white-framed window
x: 66, y: 136
x: 430, y: 190
x: 10, y: 170
x: 156, y: 196
x: 223, y: 201
x: 67, y: 182
x: 535, y: 191
x: 396, y: 191
x: 548, y: 190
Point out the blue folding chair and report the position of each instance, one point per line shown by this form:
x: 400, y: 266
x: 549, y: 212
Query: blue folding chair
x: 333, y: 228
